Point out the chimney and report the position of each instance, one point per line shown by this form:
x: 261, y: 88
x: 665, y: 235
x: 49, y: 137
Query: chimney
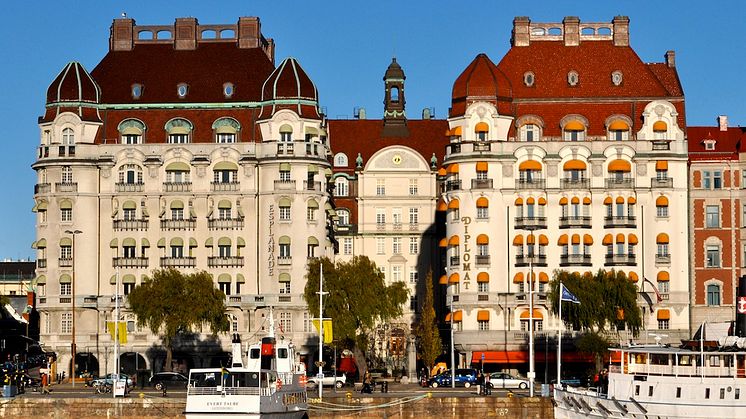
x: 621, y: 31
x: 521, y: 31
x: 723, y: 122
x: 121, y: 37
x: 571, y: 31
x: 670, y: 58
x: 249, y: 32
x: 185, y: 33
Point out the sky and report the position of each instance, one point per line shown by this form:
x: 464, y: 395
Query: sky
x: 345, y: 47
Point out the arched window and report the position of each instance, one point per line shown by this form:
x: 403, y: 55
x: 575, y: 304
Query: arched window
x: 312, y: 208
x: 286, y: 133
x: 284, y: 243
x: 341, y: 187
x: 481, y: 130
x: 68, y: 136
x: 67, y: 174
x: 340, y: 160
x: 131, y: 131
x: 394, y: 94
x: 226, y: 130
x: 179, y: 131
x: 618, y: 130
x: 130, y: 174
x: 284, y: 206
x: 344, y: 216
x: 177, y: 173
x: 574, y: 130
x: 713, y: 295
x: 530, y: 132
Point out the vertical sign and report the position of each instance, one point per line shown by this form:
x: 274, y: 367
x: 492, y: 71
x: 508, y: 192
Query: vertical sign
x: 271, y: 241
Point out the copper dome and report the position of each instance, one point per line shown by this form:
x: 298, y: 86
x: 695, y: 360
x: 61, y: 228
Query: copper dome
x: 480, y: 81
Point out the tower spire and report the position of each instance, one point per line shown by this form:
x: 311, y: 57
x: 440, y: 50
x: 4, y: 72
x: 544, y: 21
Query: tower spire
x: 394, y: 117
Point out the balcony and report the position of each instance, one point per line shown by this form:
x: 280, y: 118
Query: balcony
x: 568, y: 183
x: 136, y: 262
x: 224, y: 261
x: 177, y: 186
x: 311, y: 186
x: 130, y: 187
x: 284, y: 260
x: 620, y: 183
x: 41, y: 263
x: 43, y: 151
x: 620, y: 221
x: 42, y: 188
x: 480, y: 260
x: 661, y: 183
x: 661, y: 144
x: 285, y: 185
x: 125, y: 225
x: 455, y: 260
x: 66, y: 300
x: 285, y: 148
x: 530, y: 223
x: 453, y: 185
x: 620, y: 260
x: 524, y: 260
x: 576, y: 260
x: 65, y: 262
x: 664, y: 259
x: 481, y: 183
x: 178, y: 262
x: 575, y: 221
x: 225, y: 223
x: 66, y: 151
x: 535, y: 183
x: 66, y: 186
x: 178, y: 224
x: 225, y: 186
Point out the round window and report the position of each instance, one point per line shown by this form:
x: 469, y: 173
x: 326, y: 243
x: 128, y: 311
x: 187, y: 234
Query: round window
x: 182, y: 90
x: 228, y: 90
x: 616, y: 78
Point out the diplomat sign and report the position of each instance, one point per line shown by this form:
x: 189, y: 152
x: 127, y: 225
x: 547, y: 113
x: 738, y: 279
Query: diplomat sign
x: 466, y: 267
x: 271, y: 240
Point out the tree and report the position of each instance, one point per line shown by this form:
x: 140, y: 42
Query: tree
x: 607, y: 298
x: 358, y: 298
x: 172, y: 303
x: 428, y: 336
x: 595, y: 344
x: 4, y: 300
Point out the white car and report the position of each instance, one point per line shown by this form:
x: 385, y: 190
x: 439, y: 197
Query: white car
x: 505, y: 380
x: 329, y: 380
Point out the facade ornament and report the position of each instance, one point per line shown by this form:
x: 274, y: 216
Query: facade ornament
x: 359, y: 161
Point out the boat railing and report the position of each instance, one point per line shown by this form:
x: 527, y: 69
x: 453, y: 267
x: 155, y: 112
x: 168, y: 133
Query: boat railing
x: 228, y: 391
x: 675, y: 370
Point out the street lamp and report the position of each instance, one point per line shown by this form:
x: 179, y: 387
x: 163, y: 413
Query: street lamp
x: 72, y: 347
x: 531, y: 366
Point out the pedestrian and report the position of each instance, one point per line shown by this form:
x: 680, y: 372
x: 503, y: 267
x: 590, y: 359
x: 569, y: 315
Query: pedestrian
x: 367, y: 383
x: 45, y: 383
x: 487, y: 385
x: 480, y: 383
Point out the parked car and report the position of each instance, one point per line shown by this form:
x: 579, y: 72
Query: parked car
x: 465, y: 377
x: 109, y: 380
x: 505, y: 380
x: 329, y: 379
x: 168, y: 380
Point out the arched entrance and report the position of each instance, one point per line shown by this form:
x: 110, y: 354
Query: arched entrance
x: 131, y: 362
x: 86, y: 365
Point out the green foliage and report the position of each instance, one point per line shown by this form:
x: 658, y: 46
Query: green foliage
x: 606, y: 298
x: 4, y: 300
x: 594, y: 343
x: 171, y: 303
x: 428, y: 336
x: 358, y: 297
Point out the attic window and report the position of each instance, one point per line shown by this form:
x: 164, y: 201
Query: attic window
x: 529, y: 78
x: 228, y: 90
x: 616, y: 78
x: 182, y: 89
x: 709, y: 144
x: 572, y: 78
x: 136, y: 91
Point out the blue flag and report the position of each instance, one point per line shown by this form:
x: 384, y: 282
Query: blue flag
x: 566, y: 295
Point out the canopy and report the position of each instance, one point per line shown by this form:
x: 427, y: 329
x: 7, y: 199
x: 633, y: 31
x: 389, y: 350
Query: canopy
x: 177, y: 166
x: 518, y: 240
x: 664, y: 314
x: 483, y: 239
x: 663, y: 276
x: 519, y: 201
x: 530, y: 165
x: 586, y: 200
x: 443, y: 242
x: 575, y: 239
x: 225, y: 165
x: 542, y: 201
x: 177, y: 241
x: 284, y: 277
x: 453, y: 168
x: 662, y: 238
x: 481, y: 166
x: 454, y: 278
x: 442, y: 206
x: 129, y: 242
x: 587, y: 240
x: 631, y: 200
x: 633, y: 277
x: 240, y: 279
x: 224, y: 241
x: 620, y: 238
x: 574, y: 125
x: 223, y: 278
x: 632, y: 239
x: 574, y: 165
x: 543, y: 240
x: 660, y: 126
x: 482, y: 202
x: 608, y: 239
x: 563, y: 200
x: 454, y: 240
x: 618, y: 125
x: 483, y: 315
x: 537, y: 314
x: 483, y: 277
x: 176, y: 204
x: 66, y: 204
x: 481, y: 127
x: 619, y: 200
x: 543, y: 277
x: 454, y: 204
x: 620, y: 165
x: 284, y: 240
x: 575, y: 200
x: 661, y: 165
x: 562, y: 241
x: 518, y: 278
x: 443, y: 280
x: 65, y: 279
x: 661, y: 201
x: 607, y: 200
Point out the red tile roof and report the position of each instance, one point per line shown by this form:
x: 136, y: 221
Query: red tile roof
x: 481, y: 80
x: 160, y: 68
x: 727, y: 143
x: 289, y: 81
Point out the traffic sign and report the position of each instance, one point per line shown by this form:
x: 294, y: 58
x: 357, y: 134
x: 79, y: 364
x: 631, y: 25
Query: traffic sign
x: 320, y: 363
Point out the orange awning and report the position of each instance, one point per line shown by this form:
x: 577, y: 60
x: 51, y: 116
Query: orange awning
x: 563, y: 201
x: 442, y: 206
x: 664, y: 314
x: 575, y: 239
x: 443, y: 242
x: 483, y: 277
x: 530, y: 165
x: 574, y: 126
x: 607, y: 200
x: 518, y: 240
x: 619, y: 200
x: 542, y: 201
x: 587, y: 240
x: 453, y: 168
x: 543, y: 240
x: 483, y: 315
x: 662, y: 238
x: 608, y: 239
x: 575, y: 200
x: 519, y: 201
x: 537, y: 314
x: 481, y: 127
x: 456, y: 132
x: 531, y: 239
x: 620, y: 238
x: 661, y: 201
x: 483, y: 239
x: 530, y: 200
x: 454, y: 204
x: 458, y: 316
x: 632, y: 239
x: 661, y: 165
x: 481, y: 166
x: 500, y: 357
x: 454, y: 240
x: 586, y: 201
x: 633, y: 277
x: 562, y: 240
x: 663, y: 276
x: 449, y: 132
x: 543, y: 277
x: 618, y: 125
x: 442, y: 171
x: 454, y: 278
x: 482, y: 202
x: 518, y: 278
x: 574, y: 165
x: 631, y: 200
x: 443, y: 280
x: 620, y: 165
x: 660, y: 126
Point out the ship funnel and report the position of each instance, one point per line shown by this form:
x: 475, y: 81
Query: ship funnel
x: 741, y: 307
x: 237, y: 356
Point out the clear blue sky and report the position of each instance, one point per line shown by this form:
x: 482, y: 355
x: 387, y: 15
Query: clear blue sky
x: 345, y: 46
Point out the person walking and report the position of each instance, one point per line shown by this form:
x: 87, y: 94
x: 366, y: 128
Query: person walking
x: 480, y: 383
x: 45, y: 383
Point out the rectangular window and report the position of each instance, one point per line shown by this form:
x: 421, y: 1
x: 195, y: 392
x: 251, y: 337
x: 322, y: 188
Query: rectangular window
x: 413, y: 303
x: 225, y: 287
x: 380, y: 217
x: 284, y: 250
x: 483, y: 287
x: 286, y: 322
x: 129, y: 213
x: 65, y: 289
x: 177, y: 251
x: 67, y: 174
x: 484, y: 325
x: 413, y: 275
x: 712, y: 256
x: 661, y: 211
x: 66, y: 252
x: 712, y: 216
x: 396, y: 247
x: 395, y: 273
x: 713, y: 295
x: 177, y: 213
x: 396, y: 216
x: 285, y: 175
x: 717, y: 179
x: 131, y: 139
x: 178, y: 138
x: 662, y: 249
x: 307, y: 323
x: 380, y: 245
x: 224, y: 251
x: 66, y: 214
x: 663, y: 324
x: 284, y: 213
x: 707, y: 393
x: 347, y: 245
x: 650, y: 391
x: 414, y: 245
x: 285, y: 287
x: 226, y: 138
x: 128, y: 251
x: 127, y: 288
x: 311, y: 214
x: 663, y: 287
x: 66, y: 323
x: 380, y: 187
x: 678, y: 392
x: 414, y: 215
x: 413, y: 187
x: 482, y: 212
x: 455, y: 215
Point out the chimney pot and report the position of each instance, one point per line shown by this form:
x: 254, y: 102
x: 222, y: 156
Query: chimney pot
x: 723, y: 122
x: 620, y: 26
x: 185, y: 33
x: 121, y: 37
x: 521, y: 34
x: 571, y: 30
x: 670, y: 58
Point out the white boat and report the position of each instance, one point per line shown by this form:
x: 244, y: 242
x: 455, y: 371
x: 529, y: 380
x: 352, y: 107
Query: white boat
x: 664, y: 382
x: 270, y: 385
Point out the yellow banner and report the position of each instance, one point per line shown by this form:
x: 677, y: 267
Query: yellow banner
x: 328, y: 331
x: 122, y: 331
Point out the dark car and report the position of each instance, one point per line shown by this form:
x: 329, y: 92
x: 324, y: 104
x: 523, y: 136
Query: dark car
x: 465, y: 377
x: 168, y: 380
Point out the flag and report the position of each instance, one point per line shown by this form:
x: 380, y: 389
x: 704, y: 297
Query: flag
x: 566, y: 295
x: 328, y: 334
x: 122, y: 331
x: 657, y: 293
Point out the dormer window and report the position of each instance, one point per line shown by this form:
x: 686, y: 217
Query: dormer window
x: 709, y: 144
x: 616, y: 78
x: 137, y: 91
x: 572, y: 78
x: 182, y: 89
x: 529, y: 78
x: 228, y: 90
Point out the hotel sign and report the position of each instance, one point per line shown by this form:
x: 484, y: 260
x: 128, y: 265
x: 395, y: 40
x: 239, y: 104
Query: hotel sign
x: 466, y: 267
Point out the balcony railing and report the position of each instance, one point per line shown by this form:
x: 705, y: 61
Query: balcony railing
x: 524, y: 260
x: 575, y: 221
x: 530, y: 223
x: 535, y: 183
x: 661, y: 182
x: 225, y: 223
x: 284, y: 260
x: 286, y: 148
x: 130, y: 224
x: 136, y: 262
x: 66, y: 186
x: 224, y: 186
x: 481, y: 183
x: 285, y: 184
x: 661, y: 144
x: 41, y: 263
x: 455, y: 260
x: 482, y: 259
x: 664, y: 259
x: 43, y: 151
x: 311, y: 186
x: 453, y: 185
x: 620, y: 221
x: 620, y: 183
x: 620, y: 260
x: 569, y: 183
x: 178, y: 224
x: 224, y: 261
x: 178, y: 262
x: 581, y: 260
x: 42, y: 188
x: 130, y: 187
x: 177, y: 186
x: 65, y: 262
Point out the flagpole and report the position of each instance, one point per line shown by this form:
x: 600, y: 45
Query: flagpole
x: 321, y: 329
x: 559, y: 341
x: 116, y: 338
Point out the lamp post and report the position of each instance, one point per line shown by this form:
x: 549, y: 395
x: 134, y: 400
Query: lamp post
x: 531, y: 366
x: 453, y: 353
x: 72, y: 346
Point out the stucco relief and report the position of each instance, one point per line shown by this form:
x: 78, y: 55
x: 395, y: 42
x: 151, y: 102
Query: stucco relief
x: 507, y: 170
x: 201, y: 171
x: 105, y: 172
x: 642, y: 169
x: 598, y: 169
x: 153, y: 172
x: 551, y: 169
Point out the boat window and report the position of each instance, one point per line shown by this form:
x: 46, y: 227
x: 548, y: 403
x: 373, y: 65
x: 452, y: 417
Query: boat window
x: 282, y: 353
x: 241, y: 379
x: 658, y: 359
x: 203, y: 379
x: 641, y: 359
x: 714, y: 361
x: 637, y: 390
x: 685, y: 360
x: 678, y: 392
x: 254, y: 353
x: 707, y: 393
x: 650, y: 391
x: 722, y: 393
